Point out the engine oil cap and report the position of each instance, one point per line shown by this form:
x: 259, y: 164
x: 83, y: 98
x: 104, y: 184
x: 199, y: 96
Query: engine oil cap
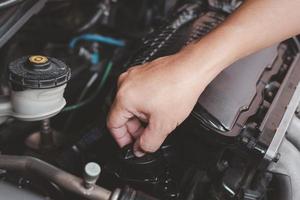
x: 38, y: 72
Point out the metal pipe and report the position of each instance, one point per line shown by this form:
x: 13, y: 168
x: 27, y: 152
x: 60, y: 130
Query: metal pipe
x: 8, y: 3
x: 63, y: 179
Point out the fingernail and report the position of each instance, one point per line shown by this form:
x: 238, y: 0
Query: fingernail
x: 138, y: 153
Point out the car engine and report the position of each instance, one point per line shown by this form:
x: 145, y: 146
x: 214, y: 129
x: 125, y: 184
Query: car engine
x: 60, y: 60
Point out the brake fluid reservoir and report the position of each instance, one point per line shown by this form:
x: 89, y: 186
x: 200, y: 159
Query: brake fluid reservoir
x: 38, y: 84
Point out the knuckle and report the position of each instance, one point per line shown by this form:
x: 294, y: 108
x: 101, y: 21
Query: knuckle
x: 121, y: 95
x: 126, y: 95
x: 122, y: 77
x: 122, y: 98
x: 131, y: 70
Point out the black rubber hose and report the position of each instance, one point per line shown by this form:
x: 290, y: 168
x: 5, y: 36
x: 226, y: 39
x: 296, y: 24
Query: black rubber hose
x: 8, y: 3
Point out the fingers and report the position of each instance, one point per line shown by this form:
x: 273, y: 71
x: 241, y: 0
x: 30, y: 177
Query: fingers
x: 117, y: 119
x: 121, y: 136
x: 138, y: 152
x: 125, y: 127
x: 121, y: 78
x: 150, y: 140
x: 134, y: 127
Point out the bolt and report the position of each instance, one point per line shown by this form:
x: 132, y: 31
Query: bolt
x: 260, y: 149
x: 245, y: 140
x: 276, y: 158
x: 91, y: 174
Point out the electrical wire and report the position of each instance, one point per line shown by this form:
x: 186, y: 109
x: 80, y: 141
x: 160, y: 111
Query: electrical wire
x: 8, y: 3
x: 98, y: 89
x: 94, y: 19
x: 89, y: 84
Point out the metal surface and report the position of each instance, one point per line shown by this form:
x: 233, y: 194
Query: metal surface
x: 293, y: 131
x: 278, y: 108
x: 61, y: 178
x: 233, y: 90
x: 283, y: 126
x: 11, y: 192
x: 116, y: 194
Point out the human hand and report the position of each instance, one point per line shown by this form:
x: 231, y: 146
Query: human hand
x: 162, y: 94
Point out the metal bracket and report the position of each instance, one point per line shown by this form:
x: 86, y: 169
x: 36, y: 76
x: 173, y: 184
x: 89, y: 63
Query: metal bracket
x: 283, y: 126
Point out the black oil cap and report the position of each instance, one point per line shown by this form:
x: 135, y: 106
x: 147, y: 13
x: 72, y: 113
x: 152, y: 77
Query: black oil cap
x: 38, y: 72
x: 148, y: 166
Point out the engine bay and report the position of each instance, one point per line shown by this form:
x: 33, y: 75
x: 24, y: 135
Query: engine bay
x: 60, y: 61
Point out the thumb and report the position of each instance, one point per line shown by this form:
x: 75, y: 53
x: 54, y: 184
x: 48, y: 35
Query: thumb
x: 150, y: 140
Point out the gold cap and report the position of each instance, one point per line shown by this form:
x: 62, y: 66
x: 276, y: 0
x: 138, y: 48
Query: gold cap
x: 38, y: 59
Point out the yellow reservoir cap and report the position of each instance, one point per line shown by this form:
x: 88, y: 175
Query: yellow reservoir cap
x: 38, y: 59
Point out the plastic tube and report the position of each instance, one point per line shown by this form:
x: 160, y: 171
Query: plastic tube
x: 97, y: 38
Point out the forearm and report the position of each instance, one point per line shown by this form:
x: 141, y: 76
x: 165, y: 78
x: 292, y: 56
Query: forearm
x: 255, y: 25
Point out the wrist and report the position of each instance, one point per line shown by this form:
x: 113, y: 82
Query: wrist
x: 212, y: 54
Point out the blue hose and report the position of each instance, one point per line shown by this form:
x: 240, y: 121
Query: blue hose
x: 97, y: 38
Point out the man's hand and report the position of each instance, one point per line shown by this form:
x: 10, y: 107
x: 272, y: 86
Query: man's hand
x: 161, y: 94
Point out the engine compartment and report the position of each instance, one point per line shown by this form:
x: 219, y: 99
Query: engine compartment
x: 228, y: 148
